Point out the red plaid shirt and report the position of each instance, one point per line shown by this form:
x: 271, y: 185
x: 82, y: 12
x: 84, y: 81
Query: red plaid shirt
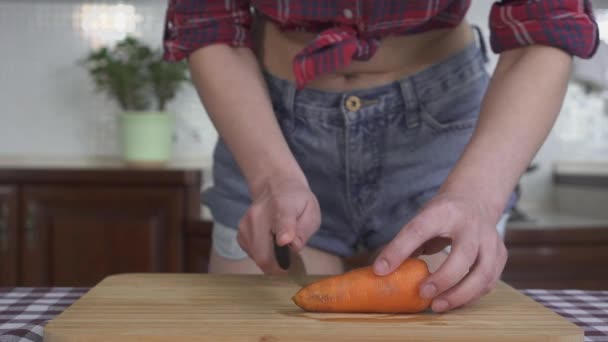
x: 352, y: 29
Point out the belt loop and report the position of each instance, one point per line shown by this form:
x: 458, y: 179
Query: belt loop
x: 411, y: 103
x: 290, y: 104
x: 482, y: 44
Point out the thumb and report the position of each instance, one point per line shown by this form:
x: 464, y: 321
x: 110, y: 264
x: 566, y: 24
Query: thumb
x: 284, y: 228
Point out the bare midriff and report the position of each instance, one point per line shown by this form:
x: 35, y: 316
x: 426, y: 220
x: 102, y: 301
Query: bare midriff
x: 396, y: 58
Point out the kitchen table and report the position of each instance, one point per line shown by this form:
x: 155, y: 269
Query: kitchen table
x: 25, y: 311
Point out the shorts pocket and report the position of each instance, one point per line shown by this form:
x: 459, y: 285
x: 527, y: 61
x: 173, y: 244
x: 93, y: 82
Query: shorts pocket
x: 458, y: 108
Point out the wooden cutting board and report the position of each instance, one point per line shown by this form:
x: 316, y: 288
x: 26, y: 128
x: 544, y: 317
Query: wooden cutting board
x: 199, y: 307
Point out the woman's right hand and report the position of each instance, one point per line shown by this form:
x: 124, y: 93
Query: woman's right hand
x: 282, y: 201
x: 286, y: 208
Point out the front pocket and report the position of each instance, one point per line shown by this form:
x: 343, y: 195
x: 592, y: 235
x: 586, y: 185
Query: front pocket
x: 456, y: 109
x: 450, y: 126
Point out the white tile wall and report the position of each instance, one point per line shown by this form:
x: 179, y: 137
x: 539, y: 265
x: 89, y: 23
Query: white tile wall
x: 49, y: 106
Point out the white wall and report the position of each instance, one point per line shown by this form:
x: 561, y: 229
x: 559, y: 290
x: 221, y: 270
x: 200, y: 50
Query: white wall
x: 49, y: 107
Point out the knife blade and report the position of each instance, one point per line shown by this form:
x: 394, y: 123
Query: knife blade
x: 297, y: 269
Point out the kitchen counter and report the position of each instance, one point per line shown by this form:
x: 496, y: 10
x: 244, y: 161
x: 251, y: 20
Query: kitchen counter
x: 557, y: 220
x: 25, y: 311
x: 581, y: 187
x: 584, y: 168
x: 91, y: 162
x: 586, y: 174
x: 97, y: 169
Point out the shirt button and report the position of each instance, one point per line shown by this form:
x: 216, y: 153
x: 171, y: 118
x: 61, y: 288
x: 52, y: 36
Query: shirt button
x: 348, y: 13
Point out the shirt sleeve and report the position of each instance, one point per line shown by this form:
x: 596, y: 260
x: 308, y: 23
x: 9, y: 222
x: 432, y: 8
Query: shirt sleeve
x: 566, y: 24
x: 193, y: 24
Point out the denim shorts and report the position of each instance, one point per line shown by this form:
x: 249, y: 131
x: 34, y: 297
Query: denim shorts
x: 372, y: 157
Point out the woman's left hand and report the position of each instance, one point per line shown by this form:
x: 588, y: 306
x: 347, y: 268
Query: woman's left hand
x: 477, y: 258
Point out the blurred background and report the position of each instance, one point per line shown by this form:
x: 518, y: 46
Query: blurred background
x: 73, y: 209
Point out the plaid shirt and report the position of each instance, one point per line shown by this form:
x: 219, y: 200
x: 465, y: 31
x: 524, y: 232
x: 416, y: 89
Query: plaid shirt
x: 352, y: 29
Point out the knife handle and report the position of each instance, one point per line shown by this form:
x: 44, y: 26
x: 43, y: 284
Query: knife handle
x: 281, y: 253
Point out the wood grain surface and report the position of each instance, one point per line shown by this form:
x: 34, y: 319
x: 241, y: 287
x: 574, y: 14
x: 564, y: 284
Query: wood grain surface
x: 203, y: 307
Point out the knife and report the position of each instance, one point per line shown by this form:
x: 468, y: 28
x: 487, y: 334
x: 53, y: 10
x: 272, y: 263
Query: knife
x: 290, y: 261
x: 281, y: 253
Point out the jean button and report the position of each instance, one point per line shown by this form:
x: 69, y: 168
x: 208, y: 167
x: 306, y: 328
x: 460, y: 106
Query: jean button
x: 353, y: 103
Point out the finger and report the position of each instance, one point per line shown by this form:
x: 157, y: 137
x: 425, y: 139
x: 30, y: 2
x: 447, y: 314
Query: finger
x: 308, y: 223
x: 502, y: 256
x: 452, y: 271
x: 244, y: 229
x: 409, y: 239
x: 481, y: 278
x: 265, y: 257
x: 284, y: 227
x: 260, y: 247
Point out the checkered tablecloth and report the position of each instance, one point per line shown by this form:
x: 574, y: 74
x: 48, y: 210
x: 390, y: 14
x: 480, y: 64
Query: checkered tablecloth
x: 587, y: 309
x: 25, y: 311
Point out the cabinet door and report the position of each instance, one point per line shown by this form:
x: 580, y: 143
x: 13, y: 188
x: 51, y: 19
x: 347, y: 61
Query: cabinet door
x: 8, y: 236
x: 198, y: 246
x: 557, y: 257
x: 76, y: 236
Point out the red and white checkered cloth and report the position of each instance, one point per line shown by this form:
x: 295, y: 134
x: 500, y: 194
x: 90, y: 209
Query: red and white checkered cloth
x: 25, y: 311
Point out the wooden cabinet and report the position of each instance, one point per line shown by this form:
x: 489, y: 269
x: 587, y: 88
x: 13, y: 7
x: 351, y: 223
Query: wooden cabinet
x: 557, y: 257
x: 8, y: 235
x: 78, y: 235
x: 75, y: 227
x: 198, y: 246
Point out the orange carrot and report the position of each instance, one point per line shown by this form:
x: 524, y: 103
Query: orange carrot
x: 361, y: 290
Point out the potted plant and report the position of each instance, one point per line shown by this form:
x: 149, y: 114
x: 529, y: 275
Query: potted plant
x: 138, y: 79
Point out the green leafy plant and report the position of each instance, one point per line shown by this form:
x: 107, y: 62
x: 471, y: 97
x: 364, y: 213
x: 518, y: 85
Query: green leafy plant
x: 135, y: 75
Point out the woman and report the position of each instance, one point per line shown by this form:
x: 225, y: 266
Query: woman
x: 373, y: 124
